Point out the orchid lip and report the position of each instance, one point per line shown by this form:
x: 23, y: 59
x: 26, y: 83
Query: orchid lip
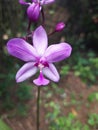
x: 41, y: 80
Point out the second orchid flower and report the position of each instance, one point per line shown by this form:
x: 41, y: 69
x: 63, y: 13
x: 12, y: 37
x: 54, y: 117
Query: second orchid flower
x: 34, y: 8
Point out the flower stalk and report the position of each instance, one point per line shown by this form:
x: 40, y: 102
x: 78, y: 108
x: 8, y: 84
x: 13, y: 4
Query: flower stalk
x: 38, y: 109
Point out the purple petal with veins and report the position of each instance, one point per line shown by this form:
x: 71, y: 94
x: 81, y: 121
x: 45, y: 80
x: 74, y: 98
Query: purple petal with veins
x: 40, y: 40
x: 35, y: 1
x: 23, y: 2
x: 57, y: 52
x: 47, y: 1
x: 21, y: 49
x: 26, y: 71
x: 51, y: 73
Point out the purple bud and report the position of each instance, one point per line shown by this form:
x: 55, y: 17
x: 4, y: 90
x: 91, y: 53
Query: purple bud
x: 59, y: 27
x: 33, y: 12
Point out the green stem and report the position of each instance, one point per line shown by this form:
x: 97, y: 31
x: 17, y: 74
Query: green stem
x: 38, y: 108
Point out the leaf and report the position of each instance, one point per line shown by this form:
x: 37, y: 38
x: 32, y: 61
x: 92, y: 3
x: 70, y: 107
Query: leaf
x: 4, y: 126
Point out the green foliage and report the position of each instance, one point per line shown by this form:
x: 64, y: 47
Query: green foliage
x: 24, y: 92
x: 57, y: 89
x: 55, y: 107
x: 93, y: 96
x: 22, y: 109
x: 10, y: 92
x: 60, y: 122
x: 84, y: 70
x: 83, y: 65
x: 69, y: 122
x: 6, y: 84
x: 64, y: 70
x: 4, y: 126
x: 93, y: 120
x: 87, y: 69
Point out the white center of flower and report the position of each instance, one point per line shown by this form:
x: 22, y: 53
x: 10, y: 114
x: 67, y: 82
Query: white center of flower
x: 40, y: 66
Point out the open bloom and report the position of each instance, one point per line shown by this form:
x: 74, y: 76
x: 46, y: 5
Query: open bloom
x: 34, y: 8
x: 38, y: 57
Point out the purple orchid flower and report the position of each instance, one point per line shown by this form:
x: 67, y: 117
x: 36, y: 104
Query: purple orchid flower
x: 34, y: 9
x: 38, y: 57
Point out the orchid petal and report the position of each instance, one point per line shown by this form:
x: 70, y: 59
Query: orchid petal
x: 40, y: 40
x: 51, y: 73
x: 41, y: 80
x: 47, y: 1
x: 35, y: 1
x: 33, y: 12
x: 57, y: 52
x: 21, y: 49
x: 23, y: 2
x: 26, y: 71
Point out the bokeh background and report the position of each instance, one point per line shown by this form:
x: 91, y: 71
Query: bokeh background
x: 71, y: 104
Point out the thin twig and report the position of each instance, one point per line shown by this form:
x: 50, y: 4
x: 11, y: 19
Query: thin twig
x: 29, y: 25
x: 43, y: 17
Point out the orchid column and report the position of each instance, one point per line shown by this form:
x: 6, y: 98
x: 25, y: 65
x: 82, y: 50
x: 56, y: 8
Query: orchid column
x: 38, y: 57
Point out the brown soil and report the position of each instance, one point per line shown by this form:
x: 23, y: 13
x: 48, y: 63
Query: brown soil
x: 72, y: 86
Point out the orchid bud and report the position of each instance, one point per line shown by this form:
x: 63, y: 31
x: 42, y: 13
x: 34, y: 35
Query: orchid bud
x: 33, y: 12
x: 59, y: 27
